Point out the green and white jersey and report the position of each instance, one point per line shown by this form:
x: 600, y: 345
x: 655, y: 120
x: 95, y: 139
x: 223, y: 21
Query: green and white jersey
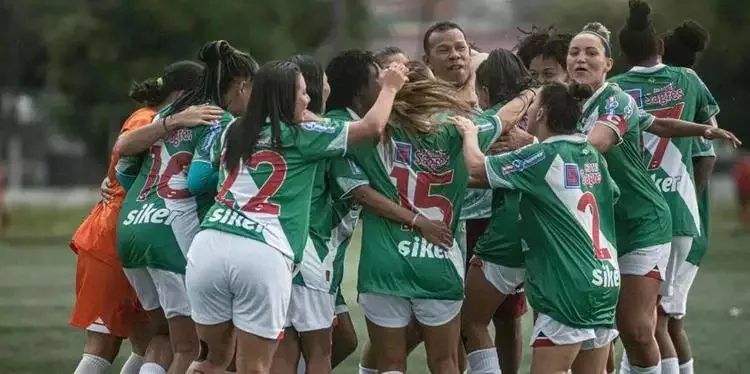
x: 702, y: 148
x: 424, y: 173
x: 643, y: 217
x: 567, y: 227
x: 478, y: 201
x: 334, y: 215
x: 267, y: 198
x: 671, y: 92
x: 159, y: 216
x: 501, y: 243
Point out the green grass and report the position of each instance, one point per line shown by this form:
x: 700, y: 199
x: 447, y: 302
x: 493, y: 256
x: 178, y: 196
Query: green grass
x: 36, y: 294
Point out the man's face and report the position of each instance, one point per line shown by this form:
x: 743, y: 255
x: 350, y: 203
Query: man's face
x: 449, y: 56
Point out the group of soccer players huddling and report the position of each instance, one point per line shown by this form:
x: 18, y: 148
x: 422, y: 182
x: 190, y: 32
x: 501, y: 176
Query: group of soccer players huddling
x: 478, y: 178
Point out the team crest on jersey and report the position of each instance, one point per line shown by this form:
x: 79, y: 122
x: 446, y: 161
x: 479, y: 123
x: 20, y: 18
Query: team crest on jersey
x: 403, y: 152
x: 572, y: 176
x: 637, y: 95
x: 318, y: 127
x: 523, y: 163
x: 431, y: 159
x: 178, y: 136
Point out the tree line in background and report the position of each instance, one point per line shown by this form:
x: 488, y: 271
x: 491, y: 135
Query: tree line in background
x: 88, y: 51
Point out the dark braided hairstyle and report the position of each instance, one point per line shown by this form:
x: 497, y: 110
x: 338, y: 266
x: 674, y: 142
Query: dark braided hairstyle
x: 547, y: 43
x: 223, y: 64
x: 504, y: 76
x: 638, y: 39
x: 683, y: 43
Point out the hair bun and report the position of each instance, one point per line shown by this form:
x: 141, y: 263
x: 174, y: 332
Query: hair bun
x: 639, y: 17
x: 580, y: 91
x: 214, y: 51
x: 692, y: 35
x: 599, y: 29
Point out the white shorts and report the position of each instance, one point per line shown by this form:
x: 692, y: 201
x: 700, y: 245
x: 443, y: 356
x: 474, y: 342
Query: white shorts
x: 675, y: 305
x: 310, y: 310
x: 230, y: 277
x: 158, y: 288
x: 505, y: 279
x: 652, y: 262
x: 396, y: 312
x: 680, y: 248
x: 549, y: 333
x: 341, y: 306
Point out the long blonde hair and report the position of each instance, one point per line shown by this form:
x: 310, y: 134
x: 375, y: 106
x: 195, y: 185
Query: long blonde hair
x: 421, y: 99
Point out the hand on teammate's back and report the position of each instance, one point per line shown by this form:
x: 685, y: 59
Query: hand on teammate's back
x: 436, y: 232
x: 465, y: 126
x: 394, y: 76
x: 514, y: 139
x: 106, y: 190
x: 717, y: 133
x: 196, y: 115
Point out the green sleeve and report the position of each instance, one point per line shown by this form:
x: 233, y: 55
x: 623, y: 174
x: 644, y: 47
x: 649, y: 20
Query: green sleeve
x: 706, y: 106
x: 617, y: 113
x: 489, y: 128
x: 703, y: 148
x: 348, y: 176
x: 515, y: 170
x: 321, y: 140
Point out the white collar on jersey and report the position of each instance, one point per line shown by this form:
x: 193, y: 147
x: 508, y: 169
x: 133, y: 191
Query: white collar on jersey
x: 354, y: 115
x: 573, y: 138
x: 650, y: 69
x: 594, y: 96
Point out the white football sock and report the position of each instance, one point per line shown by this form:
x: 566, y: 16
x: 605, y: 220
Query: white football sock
x: 393, y: 372
x: 132, y: 365
x: 483, y: 361
x: 301, y: 366
x: 687, y: 368
x: 624, y: 364
x: 152, y: 368
x: 670, y: 366
x: 364, y: 370
x: 649, y: 370
x: 91, y: 364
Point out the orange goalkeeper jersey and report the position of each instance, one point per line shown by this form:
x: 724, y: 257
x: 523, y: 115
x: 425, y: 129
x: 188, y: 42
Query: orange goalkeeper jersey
x: 96, y: 235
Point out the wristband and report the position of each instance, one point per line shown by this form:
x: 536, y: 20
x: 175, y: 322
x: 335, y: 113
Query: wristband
x: 164, y: 125
x: 414, y: 220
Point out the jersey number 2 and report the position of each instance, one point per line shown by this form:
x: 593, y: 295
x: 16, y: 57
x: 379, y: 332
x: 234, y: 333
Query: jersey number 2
x: 589, y: 201
x: 175, y: 165
x: 674, y: 112
x: 259, y: 203
x: 419, y: 197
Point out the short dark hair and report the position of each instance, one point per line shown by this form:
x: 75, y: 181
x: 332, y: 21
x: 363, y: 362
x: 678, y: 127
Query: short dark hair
x: 382, y: 54
x: 312, y: 71
x: 348, y: 74
x: 547, y: 43
x: 683, y: 43
x: 441, y: 26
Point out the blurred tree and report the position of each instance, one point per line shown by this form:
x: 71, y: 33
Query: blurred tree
x: 722, y: 65
x: 97, y: 47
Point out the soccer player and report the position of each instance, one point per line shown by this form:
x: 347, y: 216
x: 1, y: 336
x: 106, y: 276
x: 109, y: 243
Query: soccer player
x: 106, y: 306
x: 240, y: 265
x: 681, y: 47
x: 448, y: 54
x: 544, y: 52
x: 567, y: 230
x: 417, y: 164
x: 167, y: 196
x: 613, y: 123
x: 494, y: 279
x: 389, y: 54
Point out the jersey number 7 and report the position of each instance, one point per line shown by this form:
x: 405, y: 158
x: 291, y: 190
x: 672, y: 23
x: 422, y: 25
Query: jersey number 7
x: 674, y: 112
x: 417, y: 196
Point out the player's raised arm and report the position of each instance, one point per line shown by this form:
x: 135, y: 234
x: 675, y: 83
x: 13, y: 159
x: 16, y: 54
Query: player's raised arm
x: 140, y: 140
x: 374, y: 121
x: 473, y: 156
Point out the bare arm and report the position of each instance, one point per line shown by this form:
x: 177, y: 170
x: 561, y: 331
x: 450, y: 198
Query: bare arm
x: 675, y: 128
x: 602, y: 137
x: 434, y: 231
x: 515, y: 109
x: 704, y: 167
x: 473, y: 156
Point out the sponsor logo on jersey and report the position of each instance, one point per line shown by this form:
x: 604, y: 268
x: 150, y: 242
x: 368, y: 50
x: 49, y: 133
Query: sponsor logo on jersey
x: 420, y: 248
x: 637, y: 95
x: 403, y: 152
x: 230, y: 217
x: 319, y: 127
x: 668, y: 184
x: 150, y: 214
x: 178, y: 136
x: 431, y: 159
x: 572, y: 177
x: 591, y: 176
x: 523, y: 163
x: 606, y: 276
x: 665, y: 95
